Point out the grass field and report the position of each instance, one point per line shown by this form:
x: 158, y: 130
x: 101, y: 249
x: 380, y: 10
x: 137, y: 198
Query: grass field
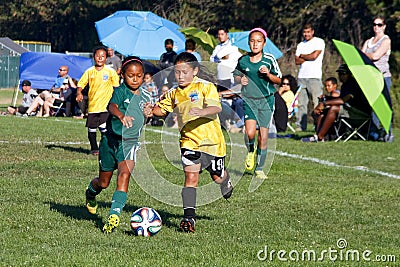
x: 331, y: 199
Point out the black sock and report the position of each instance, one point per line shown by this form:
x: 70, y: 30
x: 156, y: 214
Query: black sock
x: 189, y: 202
x: 93, y: 141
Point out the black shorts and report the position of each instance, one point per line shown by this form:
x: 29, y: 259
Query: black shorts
x: 94, y: 120
x: 214, y: 165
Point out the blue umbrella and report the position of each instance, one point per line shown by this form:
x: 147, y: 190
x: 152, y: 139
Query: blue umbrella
x: 241, y: 40
x: 138, y: 33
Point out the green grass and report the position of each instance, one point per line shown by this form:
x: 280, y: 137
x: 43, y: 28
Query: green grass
x: 45, y: 167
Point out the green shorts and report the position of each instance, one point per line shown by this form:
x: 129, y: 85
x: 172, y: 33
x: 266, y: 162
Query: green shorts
x: 113, y: 150
x: 259, y: 109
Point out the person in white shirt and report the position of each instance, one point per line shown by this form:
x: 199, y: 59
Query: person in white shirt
x: 226, y: 55
x: 309, y: 54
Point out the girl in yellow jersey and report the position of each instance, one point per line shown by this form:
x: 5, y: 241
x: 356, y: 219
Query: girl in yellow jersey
x: 197, y: 104
x: 101, y: 80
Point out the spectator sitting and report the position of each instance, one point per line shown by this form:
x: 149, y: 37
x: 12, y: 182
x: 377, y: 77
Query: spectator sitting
x: 27, y: 100
x: 68, y: 93
x: 287, y: 89
x: 331, y: 87
x: 284, y: 98
x: 352, y: 102
x: 331, y: 92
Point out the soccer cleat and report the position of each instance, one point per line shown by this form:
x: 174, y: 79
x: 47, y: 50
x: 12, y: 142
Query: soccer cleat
x: 187, y: 225
x: 260, y: 175
x: 91, y: 206
x: 226, y: 189
x: 112, y: 223
x: 250, y: 161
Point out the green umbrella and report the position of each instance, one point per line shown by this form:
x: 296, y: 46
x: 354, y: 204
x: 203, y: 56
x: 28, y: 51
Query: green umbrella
x: 202, y: 38
x: 370, y: 80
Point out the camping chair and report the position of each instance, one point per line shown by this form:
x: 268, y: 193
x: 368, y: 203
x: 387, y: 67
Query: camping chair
x: 357, y: 125
x: 57, y: 107
x: 293, y: 108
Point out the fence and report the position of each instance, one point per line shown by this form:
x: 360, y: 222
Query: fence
x: 9, y: 71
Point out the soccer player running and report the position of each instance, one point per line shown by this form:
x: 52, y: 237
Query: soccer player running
x: 118, y: 146
x: 257, y: 72
x: 197, y: 104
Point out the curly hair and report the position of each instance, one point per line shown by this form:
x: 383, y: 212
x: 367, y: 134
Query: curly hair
x: 292, y: 82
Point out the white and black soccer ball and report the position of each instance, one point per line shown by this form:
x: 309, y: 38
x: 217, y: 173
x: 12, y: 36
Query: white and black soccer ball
x: 145, y: 222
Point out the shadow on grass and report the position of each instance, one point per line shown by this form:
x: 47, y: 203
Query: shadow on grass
x: 69, y: 148
x: 80, y: 213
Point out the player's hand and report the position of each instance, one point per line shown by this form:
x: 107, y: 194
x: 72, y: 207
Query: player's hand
x: 79, y: 97
x: 127, y: 121
x: 263, y: 69
x: 196, y: 112
x: 148, y: 110
x: 244, y: 80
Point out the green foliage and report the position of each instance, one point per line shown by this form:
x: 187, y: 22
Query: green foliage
x: 45, y: 168
x: 69, y: 25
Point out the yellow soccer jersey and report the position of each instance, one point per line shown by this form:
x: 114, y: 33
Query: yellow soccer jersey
x: 197, y: 133
x: 101, y: 86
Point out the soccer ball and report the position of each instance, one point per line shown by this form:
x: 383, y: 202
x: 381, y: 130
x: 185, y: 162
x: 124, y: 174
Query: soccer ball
x: 145, y: 222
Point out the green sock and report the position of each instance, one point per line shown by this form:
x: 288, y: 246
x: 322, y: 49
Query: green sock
x: 261, y: 158
x: 118, y: 202
x: 91, y: 192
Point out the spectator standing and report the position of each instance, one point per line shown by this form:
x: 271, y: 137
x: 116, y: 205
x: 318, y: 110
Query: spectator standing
x: 113, y: 60
x: 226, y: 55
x: 166, y: 63
x: 309, y: 55
x: 190, y: 47
x: 101, y: 80
x: 378, y: 49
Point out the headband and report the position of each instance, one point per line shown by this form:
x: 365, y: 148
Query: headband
x: 130, y: 60
x: 259, y: 30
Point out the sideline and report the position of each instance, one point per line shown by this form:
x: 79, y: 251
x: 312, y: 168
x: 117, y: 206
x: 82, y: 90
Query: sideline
x: 280, y: 153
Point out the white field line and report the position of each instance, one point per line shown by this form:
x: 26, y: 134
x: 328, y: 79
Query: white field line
x: 280, y: 153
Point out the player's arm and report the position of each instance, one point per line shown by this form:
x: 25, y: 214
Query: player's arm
x: 157, y: 111
x: 126, y: 121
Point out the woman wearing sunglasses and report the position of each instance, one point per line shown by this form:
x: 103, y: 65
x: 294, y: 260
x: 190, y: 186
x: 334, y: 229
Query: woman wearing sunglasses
x: 378, y: 48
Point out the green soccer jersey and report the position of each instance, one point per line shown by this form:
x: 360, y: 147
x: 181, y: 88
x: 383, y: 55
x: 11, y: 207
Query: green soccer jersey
x: 132, y: 105
x: 259, y: 85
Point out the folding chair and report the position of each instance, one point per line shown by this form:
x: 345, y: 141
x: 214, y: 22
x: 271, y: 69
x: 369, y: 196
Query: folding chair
x: 357, y: 125
x: 57, y: 107
x: 293, y: 108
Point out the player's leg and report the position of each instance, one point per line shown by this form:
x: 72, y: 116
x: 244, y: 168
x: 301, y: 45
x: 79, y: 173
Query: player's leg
x: 262, y: 150
x: 191, y: 166
x: 250, y: 133
x: 216, y: 168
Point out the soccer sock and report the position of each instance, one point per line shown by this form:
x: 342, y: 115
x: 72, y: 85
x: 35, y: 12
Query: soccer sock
x: 189, y: 202
x: 118, y: 202
x: 261, y: 158
x: 91, y: 192
x: 250, y: 145
x: 92, y: 139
